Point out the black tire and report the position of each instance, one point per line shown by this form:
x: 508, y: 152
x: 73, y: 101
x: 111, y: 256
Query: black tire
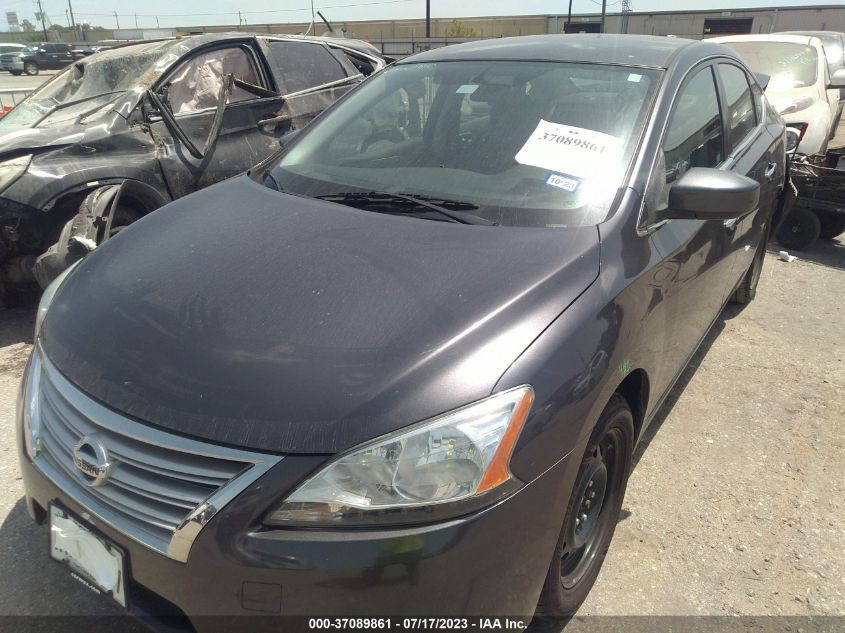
x: 800, y: 229
x: 16, y: 73
x: 747, y: 289
x: 589, y: 524
x: 30, y: 68
x: 832, y: 224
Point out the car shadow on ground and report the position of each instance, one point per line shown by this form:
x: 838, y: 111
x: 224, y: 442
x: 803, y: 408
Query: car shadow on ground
x: 829, y: 253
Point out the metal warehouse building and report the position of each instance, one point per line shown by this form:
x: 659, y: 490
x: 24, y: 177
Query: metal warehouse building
x: 400, y: 37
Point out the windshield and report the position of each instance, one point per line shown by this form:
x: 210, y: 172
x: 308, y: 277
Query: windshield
x: 90, y: 83
x: 520, y: 143
x: 789, y: 65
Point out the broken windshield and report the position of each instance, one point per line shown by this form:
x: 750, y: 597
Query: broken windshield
x: 92, y: 81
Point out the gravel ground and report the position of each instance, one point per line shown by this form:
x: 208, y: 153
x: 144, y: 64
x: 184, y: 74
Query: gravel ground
x: 736, y: 504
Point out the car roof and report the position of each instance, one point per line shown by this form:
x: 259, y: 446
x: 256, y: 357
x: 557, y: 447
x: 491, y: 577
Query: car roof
x: 190, y: 42
x: 769, y: 37
x: 630, y: 50
x: 12, y: 44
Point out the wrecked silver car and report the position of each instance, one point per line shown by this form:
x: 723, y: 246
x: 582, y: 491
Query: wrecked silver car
x: 123, y: 132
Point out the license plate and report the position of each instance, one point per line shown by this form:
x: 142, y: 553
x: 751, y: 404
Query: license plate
x: 92, y: 559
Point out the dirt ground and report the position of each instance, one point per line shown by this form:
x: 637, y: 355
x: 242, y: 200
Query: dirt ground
x: 737, y: 500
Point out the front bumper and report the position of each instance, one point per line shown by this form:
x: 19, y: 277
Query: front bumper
x: 490, y: 563
x: 15, y: 64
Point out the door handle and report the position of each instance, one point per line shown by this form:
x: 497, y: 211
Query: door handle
x: 771, y: 170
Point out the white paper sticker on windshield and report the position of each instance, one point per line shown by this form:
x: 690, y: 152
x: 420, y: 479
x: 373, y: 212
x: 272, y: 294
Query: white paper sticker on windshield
x: 569, y: 150
x: 467, y: 89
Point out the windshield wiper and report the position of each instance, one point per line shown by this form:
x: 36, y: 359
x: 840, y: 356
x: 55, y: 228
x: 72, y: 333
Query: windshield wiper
x: 67, y: 104
x: 404, y: 203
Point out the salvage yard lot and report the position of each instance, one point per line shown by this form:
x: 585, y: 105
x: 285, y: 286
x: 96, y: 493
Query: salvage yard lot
x: 735, y: 505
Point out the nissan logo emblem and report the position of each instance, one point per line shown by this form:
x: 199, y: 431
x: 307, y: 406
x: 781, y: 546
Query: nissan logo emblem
x: 92, y: 460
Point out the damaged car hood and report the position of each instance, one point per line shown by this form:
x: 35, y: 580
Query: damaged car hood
x: 34, y: 139
x: 257, y: 319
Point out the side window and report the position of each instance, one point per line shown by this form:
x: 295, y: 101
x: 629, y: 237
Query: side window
x: 693, y: 137
x: 303, y: 65
x: 359, y: 63
x: 694, y: 134
x: 196, y: 84
x: 739, y: 104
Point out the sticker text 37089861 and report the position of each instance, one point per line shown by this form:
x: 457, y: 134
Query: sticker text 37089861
x: 569, y: 150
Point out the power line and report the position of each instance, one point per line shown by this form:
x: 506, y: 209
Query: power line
x: 234, y: 13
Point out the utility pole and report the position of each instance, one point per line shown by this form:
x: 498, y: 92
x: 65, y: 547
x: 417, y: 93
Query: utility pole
x: 72, y: 21
x: 568, y: 18
x: 43, y: 22
x: 603, y: 12
x: 626, y: 11
x: 240, y: 20
x: 136, y: 21
x: 157, y: 25
x: 428, y: 18
x: 116, y: 20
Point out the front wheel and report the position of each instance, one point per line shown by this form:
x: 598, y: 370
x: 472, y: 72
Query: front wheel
x: 16, y: 73
x: 30, y: 68
x: 592, y: 513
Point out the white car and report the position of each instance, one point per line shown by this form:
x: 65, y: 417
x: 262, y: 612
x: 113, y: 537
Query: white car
x: 800, y: 86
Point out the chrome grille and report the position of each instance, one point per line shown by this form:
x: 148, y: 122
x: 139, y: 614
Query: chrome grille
x: 161, y: 488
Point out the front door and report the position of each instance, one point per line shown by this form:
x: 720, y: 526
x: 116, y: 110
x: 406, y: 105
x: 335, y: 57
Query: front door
x: 696, y: 269
x: 191, y: 93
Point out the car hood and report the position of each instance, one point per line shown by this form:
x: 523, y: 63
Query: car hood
x: 32, y: 139
x: 257, y: 319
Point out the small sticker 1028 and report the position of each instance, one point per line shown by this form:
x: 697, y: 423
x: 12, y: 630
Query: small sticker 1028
x: 562, y: 182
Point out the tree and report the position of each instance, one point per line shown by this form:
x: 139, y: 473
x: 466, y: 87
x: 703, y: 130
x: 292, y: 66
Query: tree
x: 27, y: 26
x: 456, y: 29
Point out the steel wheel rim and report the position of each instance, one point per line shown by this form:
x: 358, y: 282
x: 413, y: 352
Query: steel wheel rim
x: 604, y: 470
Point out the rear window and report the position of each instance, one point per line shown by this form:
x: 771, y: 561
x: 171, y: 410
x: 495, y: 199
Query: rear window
x: 303, y: 65
x: 789, y: 65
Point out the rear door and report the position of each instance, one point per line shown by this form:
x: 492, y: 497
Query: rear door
x: 191, y: 92
x: 751, y: 152
x: 309, y: 76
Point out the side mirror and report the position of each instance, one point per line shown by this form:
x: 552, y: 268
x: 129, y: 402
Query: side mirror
x: 837, y: 79
x: 712, y: 194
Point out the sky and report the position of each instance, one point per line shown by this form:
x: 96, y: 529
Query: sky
x: 167, y: 13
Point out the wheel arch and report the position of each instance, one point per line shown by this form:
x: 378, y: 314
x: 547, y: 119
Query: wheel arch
x: 635, y: 388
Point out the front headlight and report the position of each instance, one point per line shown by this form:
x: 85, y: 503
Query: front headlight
x: 12, y: 169
x: 406, y: 476
x: 28, y: 405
